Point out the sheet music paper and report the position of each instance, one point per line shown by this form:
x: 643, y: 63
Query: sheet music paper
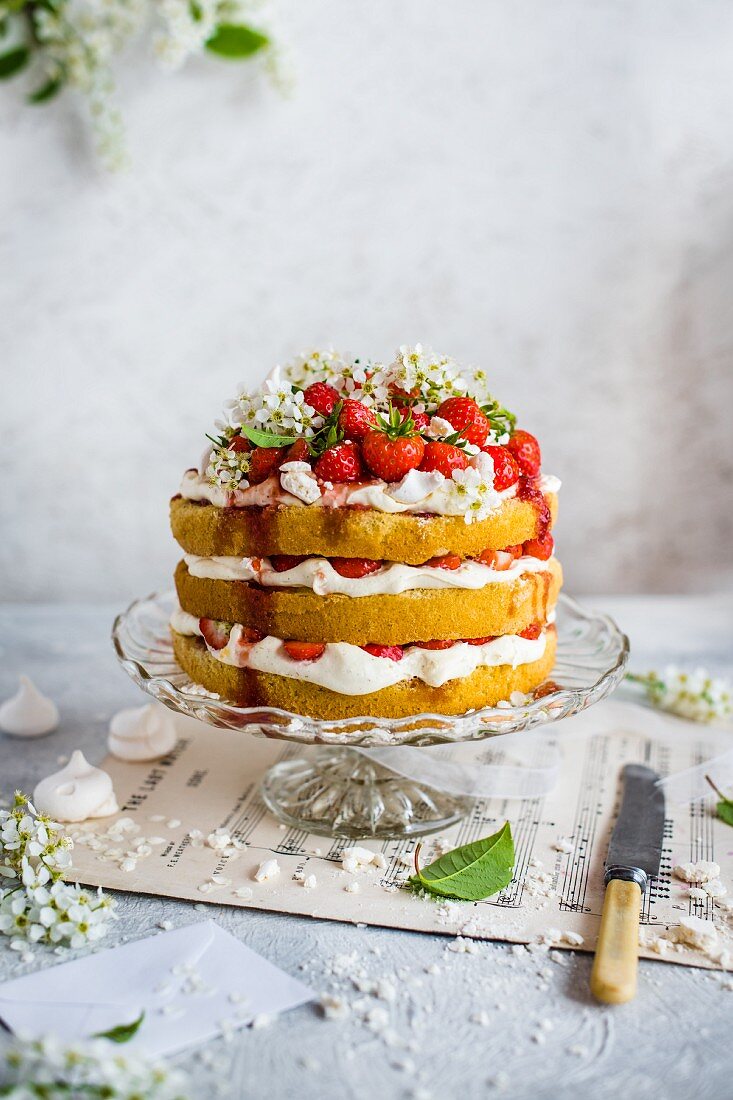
x: 211, y: 781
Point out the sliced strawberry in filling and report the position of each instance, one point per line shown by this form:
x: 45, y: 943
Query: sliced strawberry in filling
x: 531, y: 632
x: 355, y: 567
x: 250, y: 635
x: 541, y: 547
x: 480, y: 641
x: 496, y: 559
x: 436, y: 643
x: 215, y: 632
x: 394, y: 652
x: 282, y: 562
x: 304, y: 651
x: 445, y: 561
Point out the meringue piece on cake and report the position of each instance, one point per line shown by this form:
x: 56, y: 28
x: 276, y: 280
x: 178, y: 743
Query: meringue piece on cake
x: 298, y: 479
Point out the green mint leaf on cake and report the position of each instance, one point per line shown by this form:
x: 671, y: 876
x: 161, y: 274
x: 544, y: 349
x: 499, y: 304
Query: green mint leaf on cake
x: 122, y: 1033
x: 724, y: 808
x: 472, y: 872
x: 267, y: 439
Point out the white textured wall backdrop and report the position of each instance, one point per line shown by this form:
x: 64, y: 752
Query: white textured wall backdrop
x: 546, y: 189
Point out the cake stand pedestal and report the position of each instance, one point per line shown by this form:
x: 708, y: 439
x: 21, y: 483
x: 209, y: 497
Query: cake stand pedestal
x: 341, y: 792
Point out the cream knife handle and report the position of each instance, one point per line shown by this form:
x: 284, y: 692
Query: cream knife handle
x: 613, y: 978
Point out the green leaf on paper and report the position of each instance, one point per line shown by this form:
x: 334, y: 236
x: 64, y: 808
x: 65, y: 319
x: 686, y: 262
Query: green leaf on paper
x: 231, y: 40
x: 13, y: 61
x: 123, y: 1033
x: 472, y: 872
x: 46, y: 91
x: 724, y: 808
x: 267, y: 439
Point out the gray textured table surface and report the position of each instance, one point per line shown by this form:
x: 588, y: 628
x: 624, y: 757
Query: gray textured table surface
x: 544, y: 1036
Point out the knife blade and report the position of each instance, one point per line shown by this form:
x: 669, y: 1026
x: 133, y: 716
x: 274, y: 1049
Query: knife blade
x: 634, y: 855
x: 635, y: 851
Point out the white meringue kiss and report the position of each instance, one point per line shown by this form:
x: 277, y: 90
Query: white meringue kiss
x: 77, y: 792
x: 28, y: 713
x: 142, y: 733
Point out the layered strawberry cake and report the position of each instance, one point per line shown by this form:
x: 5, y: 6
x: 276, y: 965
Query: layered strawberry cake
x: 365, y: 539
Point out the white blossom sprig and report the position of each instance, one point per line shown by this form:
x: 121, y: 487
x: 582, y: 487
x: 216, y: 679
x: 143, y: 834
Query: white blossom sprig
x: 419, y: 371
x: 50, y: 1069
x: 473, y: 493
x: 695, y: 695
x: 316, y: 365
x: 76, y: 44
x: 277, y: 407
x: 31, y: 844
x: 36, y: 906
x: 227, y: 468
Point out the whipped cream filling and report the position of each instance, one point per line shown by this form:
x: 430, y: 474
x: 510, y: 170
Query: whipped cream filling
x: 350, y: 670
x: 438, y: 497
x: 319, y: 575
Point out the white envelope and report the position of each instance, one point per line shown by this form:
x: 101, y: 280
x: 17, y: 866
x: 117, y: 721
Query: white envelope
x: 192, y: 983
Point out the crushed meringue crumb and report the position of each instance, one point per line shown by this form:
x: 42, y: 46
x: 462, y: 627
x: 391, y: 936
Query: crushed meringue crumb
x: 702, y: 871
x: 268, y: 869
x: 262, y: 1019
x: 334, y: 1008
x: 358, y: 859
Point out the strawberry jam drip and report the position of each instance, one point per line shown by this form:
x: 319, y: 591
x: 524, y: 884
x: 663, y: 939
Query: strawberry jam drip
x: 529, y: 490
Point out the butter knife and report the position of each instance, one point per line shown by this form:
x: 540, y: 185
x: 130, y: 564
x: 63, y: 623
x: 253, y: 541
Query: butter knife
x: 634, y: 855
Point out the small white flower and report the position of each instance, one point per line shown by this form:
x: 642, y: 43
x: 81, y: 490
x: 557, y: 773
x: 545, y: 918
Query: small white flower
x: 325, y: 365
x: 433, y: 377
x: 473, y: 494
x: 367, y: 383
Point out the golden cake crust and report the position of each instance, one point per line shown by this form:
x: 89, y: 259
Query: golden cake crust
x: 245, y: 687
x: 207, y: 531
x: 506, y: 607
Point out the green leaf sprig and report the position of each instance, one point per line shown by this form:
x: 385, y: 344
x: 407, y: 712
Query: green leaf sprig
x: 502, y: 421
x: 122, y: 1033
x: 13, y: 61
x: 471, y: 872
x: 724, y: 808
x: 236, y: 41
x: 267, y: 439
x: 393, y: 424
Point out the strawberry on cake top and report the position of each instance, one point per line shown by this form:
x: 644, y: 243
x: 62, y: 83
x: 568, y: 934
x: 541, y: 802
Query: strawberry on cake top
x: 367, y: 511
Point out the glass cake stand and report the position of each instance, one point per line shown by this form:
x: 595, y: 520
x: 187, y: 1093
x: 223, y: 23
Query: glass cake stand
x: 336, y: 790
